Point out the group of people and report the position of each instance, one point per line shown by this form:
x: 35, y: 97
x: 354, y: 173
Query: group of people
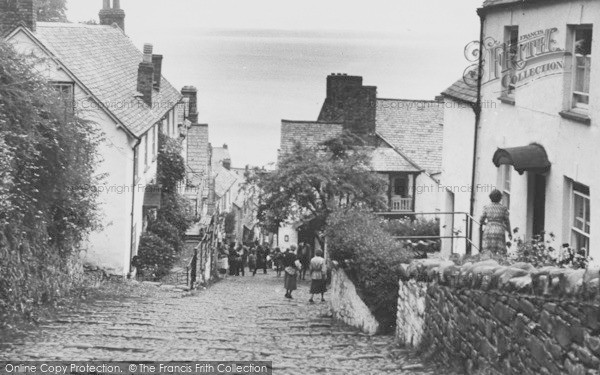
x: 235, y: 258
x: 294, y: 263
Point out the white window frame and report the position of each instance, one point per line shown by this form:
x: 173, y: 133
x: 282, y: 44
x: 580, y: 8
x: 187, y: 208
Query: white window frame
x: 574, y: 104
x: 511, y: 60
x: 576, y: 219
x: 505, y: 182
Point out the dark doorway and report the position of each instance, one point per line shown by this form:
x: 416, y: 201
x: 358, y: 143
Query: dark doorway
x: 539, y: 203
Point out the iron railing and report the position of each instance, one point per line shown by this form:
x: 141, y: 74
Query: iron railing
x: 469, y: 224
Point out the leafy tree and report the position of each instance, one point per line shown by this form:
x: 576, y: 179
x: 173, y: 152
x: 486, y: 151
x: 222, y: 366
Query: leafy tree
x: 311, y: 182
x: 47, y: 158
x: 51, y: 10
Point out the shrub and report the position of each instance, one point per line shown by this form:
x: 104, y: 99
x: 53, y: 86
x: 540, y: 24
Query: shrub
x: 539, y: 252
x: 48, y: 156
x: 372, y: 258
x: 414, y: 228
x: 167, y: 232
x: 155, y: 256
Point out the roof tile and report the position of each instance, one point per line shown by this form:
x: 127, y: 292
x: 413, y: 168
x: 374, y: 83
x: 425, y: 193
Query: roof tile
x: 414, y: 127
x: 107, y: 61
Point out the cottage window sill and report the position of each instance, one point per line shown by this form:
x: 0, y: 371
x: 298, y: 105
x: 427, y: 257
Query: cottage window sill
x: 507, y: 100
x: 575, y: 116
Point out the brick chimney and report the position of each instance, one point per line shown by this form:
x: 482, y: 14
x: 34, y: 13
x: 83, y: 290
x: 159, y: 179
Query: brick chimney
x: 109, y: 15
x: 191, y: 93
x: 145, y: 82
x: 351, y: 103
x: 157, y: 62
x: 15, y: 12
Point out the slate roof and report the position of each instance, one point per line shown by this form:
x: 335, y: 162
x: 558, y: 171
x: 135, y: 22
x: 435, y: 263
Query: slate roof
x: 462, y: 92
x: 309, y: 133
x: 224, y: 180
x: 385, y: 159
x: 106, y: 61
x: 219, y: 154
x: 415, y: 128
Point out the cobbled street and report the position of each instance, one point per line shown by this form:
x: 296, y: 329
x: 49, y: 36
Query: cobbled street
x: 239, y: 318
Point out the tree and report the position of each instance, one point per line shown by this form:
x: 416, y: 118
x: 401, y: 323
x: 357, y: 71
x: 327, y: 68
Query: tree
x: 51, y: 10
x: 311, y: 182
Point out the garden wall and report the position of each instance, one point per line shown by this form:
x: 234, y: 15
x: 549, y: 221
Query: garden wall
x: 347, y: 305
x: 496, y: 319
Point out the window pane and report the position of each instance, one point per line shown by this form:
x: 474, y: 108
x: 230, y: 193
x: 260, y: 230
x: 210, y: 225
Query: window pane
x: 582, y: 50
x: 579, y: 241
x: 583, y: 41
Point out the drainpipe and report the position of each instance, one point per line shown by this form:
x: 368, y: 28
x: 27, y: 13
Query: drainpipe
x: 135, y: 166
x: 477, y: 110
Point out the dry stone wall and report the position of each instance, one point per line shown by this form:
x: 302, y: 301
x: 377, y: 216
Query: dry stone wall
x: 507, y: 320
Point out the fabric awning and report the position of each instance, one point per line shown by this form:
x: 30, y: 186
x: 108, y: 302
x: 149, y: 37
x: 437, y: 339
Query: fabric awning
x: 531, y: 158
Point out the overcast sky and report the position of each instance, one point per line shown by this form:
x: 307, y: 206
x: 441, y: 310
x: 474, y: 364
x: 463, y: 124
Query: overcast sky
x: 257, y: 62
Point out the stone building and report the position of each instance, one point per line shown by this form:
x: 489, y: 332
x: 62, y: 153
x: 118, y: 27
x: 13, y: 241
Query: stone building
x: 405, y: 135
x: 120, y: 88
x: 534, y: 129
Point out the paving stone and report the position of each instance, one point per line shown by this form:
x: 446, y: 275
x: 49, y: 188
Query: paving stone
x: 239, y: 318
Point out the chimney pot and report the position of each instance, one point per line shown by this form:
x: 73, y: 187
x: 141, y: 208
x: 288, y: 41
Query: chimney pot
x: 114, y: 15
x: 148, y: 53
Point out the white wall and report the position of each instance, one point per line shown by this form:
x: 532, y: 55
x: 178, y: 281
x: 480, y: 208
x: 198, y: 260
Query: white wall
x: 287, y: 230
x: 457, y: 161
x: 110, y: 247
x: 535, y: 118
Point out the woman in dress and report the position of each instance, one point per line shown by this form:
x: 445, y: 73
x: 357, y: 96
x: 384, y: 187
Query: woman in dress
x: 495, y: 218
x: 318, y: 276
x: 291, y: 265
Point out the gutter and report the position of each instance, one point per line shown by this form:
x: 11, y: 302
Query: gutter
x: 477, y: 110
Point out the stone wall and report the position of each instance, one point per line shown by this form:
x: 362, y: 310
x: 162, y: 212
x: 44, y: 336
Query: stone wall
x: 496, y: 319
x: 347, y: 305
x: 411, y: 313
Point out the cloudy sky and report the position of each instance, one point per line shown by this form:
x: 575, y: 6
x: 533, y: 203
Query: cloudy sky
x: 257, y: 62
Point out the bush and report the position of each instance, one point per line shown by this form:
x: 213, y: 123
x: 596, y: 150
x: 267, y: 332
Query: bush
x: 414, y: 228
x: 167, y: 232
x: 47, y: 160
x: 155, y: 256
x: 372, y: 258
x: 539, y: 252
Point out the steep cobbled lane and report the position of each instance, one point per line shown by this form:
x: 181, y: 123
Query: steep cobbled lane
x: 239, y: 318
